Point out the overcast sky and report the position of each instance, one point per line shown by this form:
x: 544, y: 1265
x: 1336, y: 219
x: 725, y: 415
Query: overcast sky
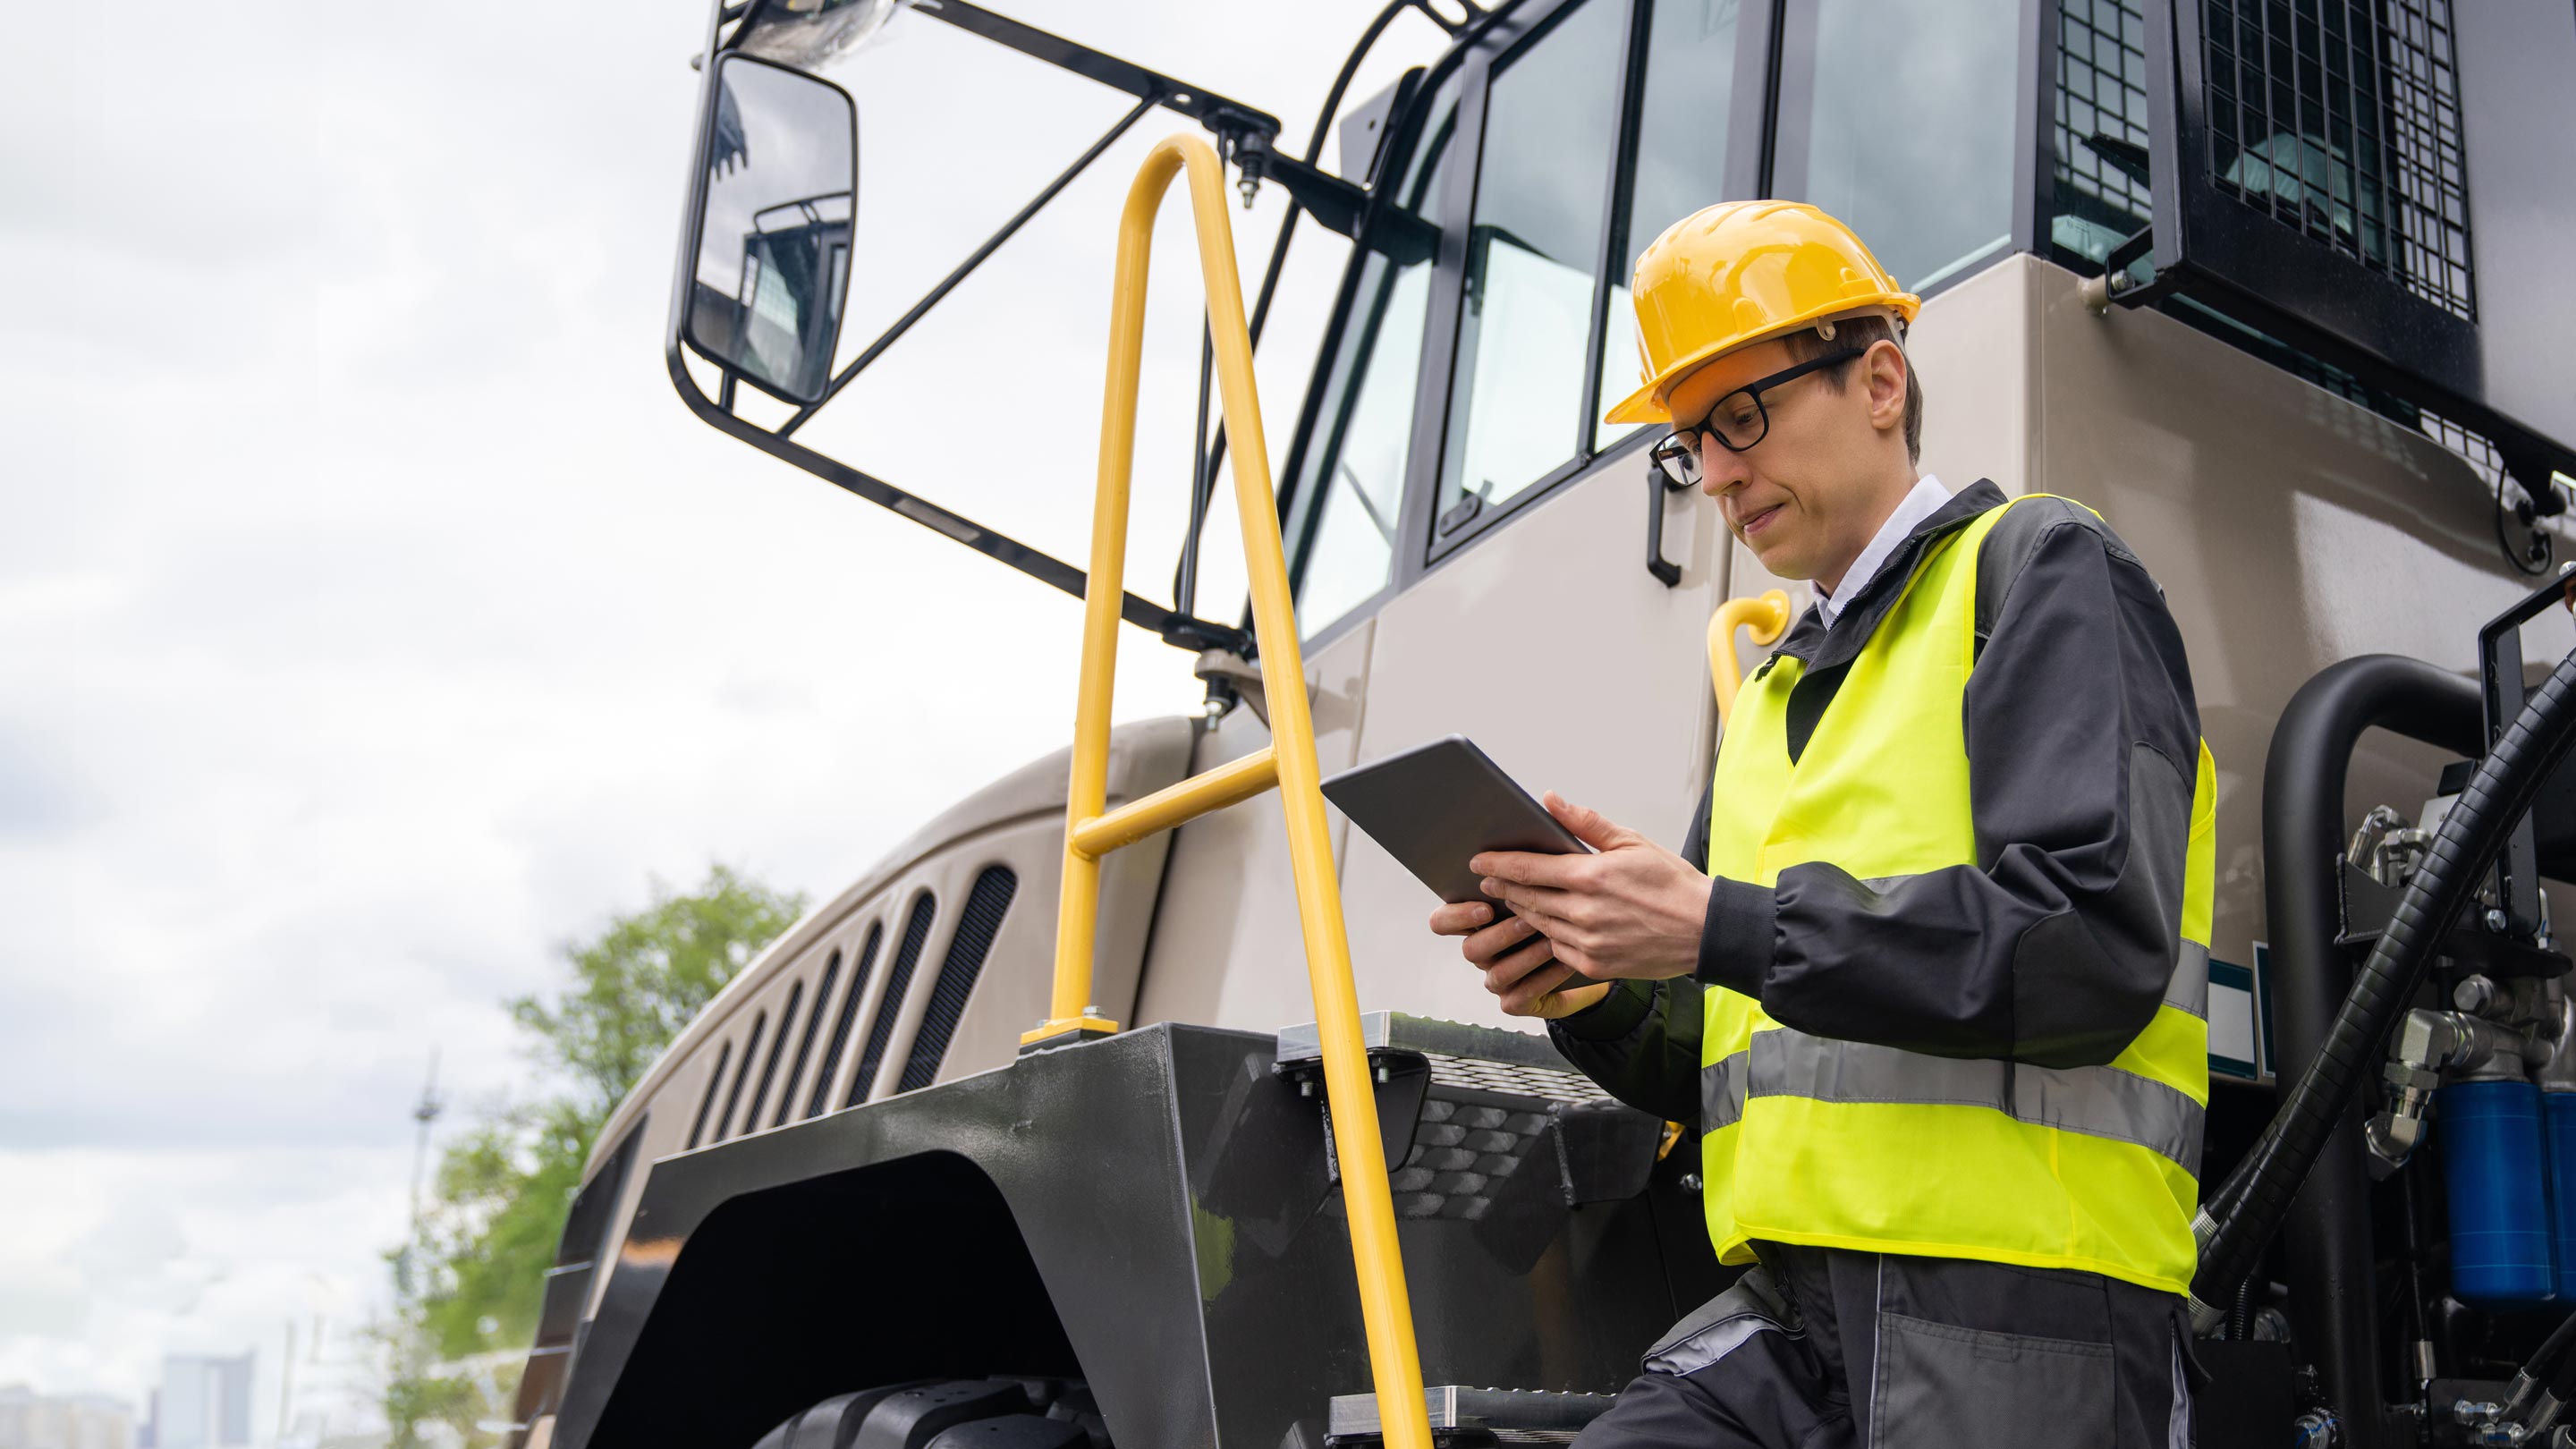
x: 373, y: 619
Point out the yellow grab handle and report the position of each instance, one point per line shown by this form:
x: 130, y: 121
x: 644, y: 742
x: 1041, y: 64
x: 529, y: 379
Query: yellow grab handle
x: 1768, y: 614
x: 1091, y: 830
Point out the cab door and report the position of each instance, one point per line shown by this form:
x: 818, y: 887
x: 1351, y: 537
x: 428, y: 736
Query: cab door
x: 1532, y: 619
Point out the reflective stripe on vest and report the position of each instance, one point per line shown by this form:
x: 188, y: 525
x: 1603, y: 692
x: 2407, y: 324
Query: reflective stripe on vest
x: 1812, y: 1140
x: 2097, y: 1101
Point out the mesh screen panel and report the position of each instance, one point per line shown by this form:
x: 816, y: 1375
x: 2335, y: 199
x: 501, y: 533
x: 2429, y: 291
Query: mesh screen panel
x: 2101, y: 93
x: 2341, y: 120
x: 2101, y: 90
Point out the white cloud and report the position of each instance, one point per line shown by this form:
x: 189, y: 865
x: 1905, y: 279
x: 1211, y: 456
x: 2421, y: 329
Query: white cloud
x: 373, y: 619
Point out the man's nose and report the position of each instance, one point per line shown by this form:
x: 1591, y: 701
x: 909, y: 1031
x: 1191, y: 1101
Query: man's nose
x: 1721, y: 469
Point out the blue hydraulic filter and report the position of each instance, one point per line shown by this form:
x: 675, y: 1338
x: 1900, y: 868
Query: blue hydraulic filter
x: 2494, y: 1167
x: 2561, y: 1110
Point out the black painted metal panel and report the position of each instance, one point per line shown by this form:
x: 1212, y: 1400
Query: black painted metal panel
x: 1151, y: 1211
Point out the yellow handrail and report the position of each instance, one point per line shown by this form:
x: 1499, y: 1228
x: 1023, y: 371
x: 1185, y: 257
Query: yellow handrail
x: 1768, y: 614
x: 1091, y: 831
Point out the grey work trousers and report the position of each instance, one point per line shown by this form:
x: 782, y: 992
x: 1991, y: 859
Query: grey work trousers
x: 1824, y: 1348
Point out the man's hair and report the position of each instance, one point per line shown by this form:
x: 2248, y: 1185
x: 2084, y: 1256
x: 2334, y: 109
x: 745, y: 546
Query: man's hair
x: 1807, y: 344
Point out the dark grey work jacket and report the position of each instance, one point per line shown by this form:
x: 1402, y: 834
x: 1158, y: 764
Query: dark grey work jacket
x: 2054, y: 948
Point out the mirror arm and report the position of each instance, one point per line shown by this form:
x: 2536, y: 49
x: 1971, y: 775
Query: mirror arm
x: 1197, y: 103
x: 1337, y: 204
x: 948, y: 284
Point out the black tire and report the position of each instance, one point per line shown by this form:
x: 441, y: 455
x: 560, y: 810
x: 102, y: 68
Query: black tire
x: 1001, y: 1413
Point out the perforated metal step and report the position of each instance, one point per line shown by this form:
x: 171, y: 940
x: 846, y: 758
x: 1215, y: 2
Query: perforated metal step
x: 1474, y: 1058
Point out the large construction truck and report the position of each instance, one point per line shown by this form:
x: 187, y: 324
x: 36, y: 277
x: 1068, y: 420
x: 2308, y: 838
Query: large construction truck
x: 1130, y: 1101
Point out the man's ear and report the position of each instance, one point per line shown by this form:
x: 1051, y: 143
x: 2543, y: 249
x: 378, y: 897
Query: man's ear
x: 1883, y: 371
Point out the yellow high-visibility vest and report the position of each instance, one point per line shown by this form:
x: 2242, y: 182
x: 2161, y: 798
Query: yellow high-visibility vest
x: 1813, y: 1140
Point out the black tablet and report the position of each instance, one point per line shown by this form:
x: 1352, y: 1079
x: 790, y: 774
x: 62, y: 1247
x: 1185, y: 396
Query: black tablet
x: 1435, y: 806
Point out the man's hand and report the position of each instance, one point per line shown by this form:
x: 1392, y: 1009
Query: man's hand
x: 1516, y: 962
x: 1634, y: 909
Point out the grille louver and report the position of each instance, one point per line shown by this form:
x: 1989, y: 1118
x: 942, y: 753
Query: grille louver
x: 986, y: 903
x: 906, y: 956
x: 841, y: 1024
x: 715, y: 1079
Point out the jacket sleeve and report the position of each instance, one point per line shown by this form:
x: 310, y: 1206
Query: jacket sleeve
x: 1640, y: 1044
x: 2083, y: 744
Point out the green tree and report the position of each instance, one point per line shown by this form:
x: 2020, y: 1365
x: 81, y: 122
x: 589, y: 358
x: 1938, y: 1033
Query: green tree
x: 469, y: 1282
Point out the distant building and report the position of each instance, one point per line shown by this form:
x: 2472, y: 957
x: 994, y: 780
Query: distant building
x: 29, y: 1420
x: 204, y: 1402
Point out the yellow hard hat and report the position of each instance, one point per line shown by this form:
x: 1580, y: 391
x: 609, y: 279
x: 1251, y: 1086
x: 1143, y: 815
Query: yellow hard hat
x: 1738, y: 272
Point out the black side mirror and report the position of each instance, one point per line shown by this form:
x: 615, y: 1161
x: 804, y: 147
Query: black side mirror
x: 771, y: 260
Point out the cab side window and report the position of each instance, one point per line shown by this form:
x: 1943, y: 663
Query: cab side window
x: 1349, y: 496
x: 1680, y: 165
x: 1924, y: 170
x: 1555, y: 192
x: 1533, y: 251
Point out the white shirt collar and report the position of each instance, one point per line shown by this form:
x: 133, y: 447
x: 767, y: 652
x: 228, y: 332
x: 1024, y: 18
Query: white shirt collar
x: 1925, y: 500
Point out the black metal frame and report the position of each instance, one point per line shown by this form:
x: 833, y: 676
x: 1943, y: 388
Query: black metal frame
x: 1245, y: 134
x: 2207, y: 244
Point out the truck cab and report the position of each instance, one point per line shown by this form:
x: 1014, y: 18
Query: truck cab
x: 2246, y: 293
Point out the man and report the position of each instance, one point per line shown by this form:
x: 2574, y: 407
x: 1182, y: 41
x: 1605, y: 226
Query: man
x: 1929, y: 974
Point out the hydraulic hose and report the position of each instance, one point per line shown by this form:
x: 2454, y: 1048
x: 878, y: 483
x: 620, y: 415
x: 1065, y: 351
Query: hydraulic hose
x: 2471, y: 835
x: 2327, y: 1255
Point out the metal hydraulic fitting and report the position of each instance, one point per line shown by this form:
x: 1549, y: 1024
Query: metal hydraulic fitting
x: 2425, y: 1042
x: 2429, y: 1044
x: 2386, y: 848
x: 2487, y: 1421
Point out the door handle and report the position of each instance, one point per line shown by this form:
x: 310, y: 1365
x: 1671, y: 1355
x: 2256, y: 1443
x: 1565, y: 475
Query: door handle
x: 1657, y: 485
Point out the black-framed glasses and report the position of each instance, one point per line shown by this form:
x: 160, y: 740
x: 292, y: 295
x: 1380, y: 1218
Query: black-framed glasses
x: 1738, y: 421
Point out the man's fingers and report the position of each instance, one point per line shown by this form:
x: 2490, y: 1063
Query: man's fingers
x: 1589, y: 825
x: 1527, y: 869
x: 1524, y: 999
x: 1483, y: 946
x: 1541, y: 907
x: 1510, y: 969
x: 1583, y: 966
x: 1462, y: 918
